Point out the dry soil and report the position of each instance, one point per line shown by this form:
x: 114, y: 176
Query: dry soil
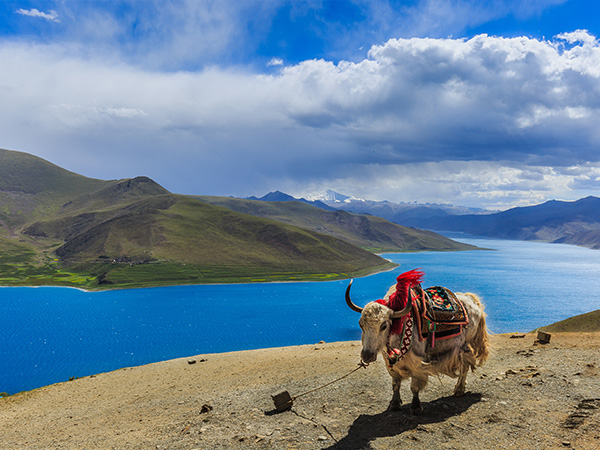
x: 527, y: 396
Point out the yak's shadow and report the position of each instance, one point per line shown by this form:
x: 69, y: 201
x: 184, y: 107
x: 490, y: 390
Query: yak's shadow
x: 366, y: 428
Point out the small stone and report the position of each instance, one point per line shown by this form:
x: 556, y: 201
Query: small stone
x: 511, y: 372
x: 566, y: 443
x: 206, y: 408
x: 543, y: 337
x: 191, y: 361
x: 322, y: 438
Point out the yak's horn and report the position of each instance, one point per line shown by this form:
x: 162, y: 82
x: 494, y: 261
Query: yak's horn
x: 405, y: 311
x: 349, y: 301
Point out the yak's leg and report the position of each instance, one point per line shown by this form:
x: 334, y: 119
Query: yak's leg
x: 416, y: 385
x: 459, y: 389
x: 396, y: 400
x: 467, y: 361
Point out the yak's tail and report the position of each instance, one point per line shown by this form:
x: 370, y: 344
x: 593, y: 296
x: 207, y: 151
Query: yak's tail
x: 481, y: 341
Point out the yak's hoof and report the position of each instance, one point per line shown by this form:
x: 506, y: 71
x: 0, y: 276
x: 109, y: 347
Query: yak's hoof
x: 416, y: 409
x: 459, y: 392
x: 394, y: 406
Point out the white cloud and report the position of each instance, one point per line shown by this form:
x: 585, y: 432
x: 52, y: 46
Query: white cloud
x: 275, y: 62
x: 574, y: 37
x: 51, y: 16
x: 492, y: 185
x: 504, y: 116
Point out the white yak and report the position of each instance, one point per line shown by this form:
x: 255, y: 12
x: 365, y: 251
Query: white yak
x: 393, y: 327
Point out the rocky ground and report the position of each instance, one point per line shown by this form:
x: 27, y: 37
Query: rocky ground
x: 528, y: 396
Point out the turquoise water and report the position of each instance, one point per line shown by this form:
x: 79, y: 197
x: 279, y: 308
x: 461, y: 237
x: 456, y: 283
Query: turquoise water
x: 51, y: 334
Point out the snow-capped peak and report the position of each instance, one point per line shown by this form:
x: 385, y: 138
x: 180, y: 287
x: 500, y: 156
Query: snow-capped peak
x: 330, y: 196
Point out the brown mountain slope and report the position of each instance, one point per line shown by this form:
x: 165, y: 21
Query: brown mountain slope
x: 370, y: 232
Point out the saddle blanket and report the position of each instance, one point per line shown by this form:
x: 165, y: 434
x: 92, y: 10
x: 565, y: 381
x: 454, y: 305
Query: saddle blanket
x: 441, y: 314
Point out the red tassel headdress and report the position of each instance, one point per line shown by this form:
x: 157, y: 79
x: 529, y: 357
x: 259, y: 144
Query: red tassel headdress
x: 399, y: 298
x: 405, y: 281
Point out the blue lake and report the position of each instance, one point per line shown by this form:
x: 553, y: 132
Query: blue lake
x: 51, y: 334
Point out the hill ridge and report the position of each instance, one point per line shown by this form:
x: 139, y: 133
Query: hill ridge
x: 369, y: 232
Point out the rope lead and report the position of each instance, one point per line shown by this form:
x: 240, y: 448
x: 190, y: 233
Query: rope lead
x: 283, y: 400
x: 361, y: 365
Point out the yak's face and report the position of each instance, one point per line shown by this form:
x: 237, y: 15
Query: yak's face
x: 375, y: 322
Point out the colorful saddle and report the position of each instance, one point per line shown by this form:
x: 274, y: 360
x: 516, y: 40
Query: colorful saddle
x: 441, y: 314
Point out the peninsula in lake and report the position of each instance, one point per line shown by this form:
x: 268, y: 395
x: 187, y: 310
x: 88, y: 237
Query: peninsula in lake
x: 61, y: 228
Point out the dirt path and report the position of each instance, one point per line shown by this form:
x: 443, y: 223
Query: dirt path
x: 528, y: 396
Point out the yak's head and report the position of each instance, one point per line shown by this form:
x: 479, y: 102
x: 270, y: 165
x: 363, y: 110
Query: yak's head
x: 375, y: 322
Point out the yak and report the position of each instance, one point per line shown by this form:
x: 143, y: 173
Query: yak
x: 405, y: 328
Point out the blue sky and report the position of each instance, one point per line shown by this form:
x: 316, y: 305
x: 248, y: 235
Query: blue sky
x: 490, y: 104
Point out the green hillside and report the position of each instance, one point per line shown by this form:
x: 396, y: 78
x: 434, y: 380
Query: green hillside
x: 173, y: 237
x: 60, y: 228
x: 31, y: 188
x: 368, y: 232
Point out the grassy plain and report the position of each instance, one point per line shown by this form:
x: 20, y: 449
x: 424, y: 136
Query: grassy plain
x: 123, y: 276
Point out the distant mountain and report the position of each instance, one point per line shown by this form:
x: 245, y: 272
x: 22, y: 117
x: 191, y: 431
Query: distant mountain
x: 368, y: 232
x: 400, y: 213
x: 576, y: 223
x: 57, y: 227
x: 279, y: 196
x: 330, y: 196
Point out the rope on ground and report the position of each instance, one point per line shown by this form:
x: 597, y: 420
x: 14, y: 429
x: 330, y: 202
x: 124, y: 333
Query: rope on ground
x: 361, y: 365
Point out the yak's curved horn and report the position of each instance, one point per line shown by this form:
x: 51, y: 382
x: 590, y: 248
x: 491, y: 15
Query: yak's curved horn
x: 349, y: 302
x: 405, y: 311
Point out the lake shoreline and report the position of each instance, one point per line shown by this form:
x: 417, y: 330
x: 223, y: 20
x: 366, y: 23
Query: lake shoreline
x: 50, y: 328
x: 564, y: 326
x: 108, y: 287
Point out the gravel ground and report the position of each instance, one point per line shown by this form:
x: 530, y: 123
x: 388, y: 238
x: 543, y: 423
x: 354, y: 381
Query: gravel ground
x: 527, y: 396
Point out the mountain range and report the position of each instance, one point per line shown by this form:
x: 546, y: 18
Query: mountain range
x: 576, y: 222
x: 61, y: 228
x: 394, y: 212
